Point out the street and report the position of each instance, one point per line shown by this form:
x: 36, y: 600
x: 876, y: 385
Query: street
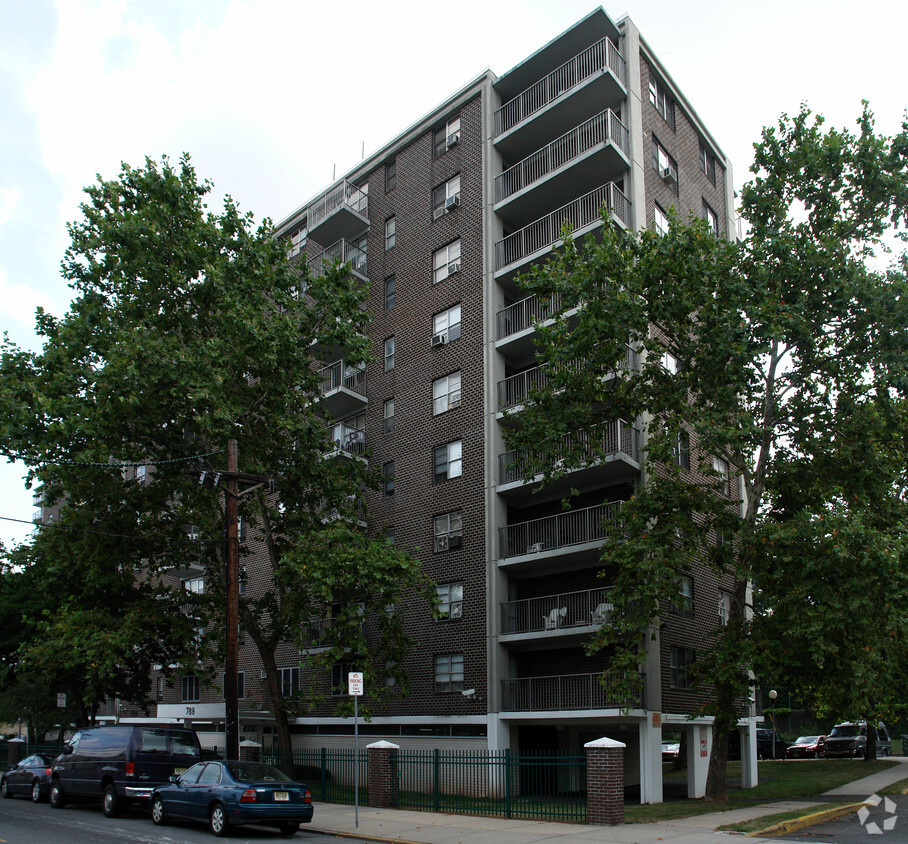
x: 850, y: 830
x: 24, y: 822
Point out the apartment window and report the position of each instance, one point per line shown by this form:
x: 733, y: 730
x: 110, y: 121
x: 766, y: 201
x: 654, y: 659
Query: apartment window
x: 720, y: 467
x: 389, y: 354
x: 707, y: 162
x: 450, y: 600
x: 447, y: 136
x: 679, y: 662
x: 390, y: 292
x: 446, y: 261
x: 448, y: 530
x: 724, y: 607
x: 240, y: 684
x: 290, y: 681
x: 449, y: 673
x: 660, y: 221
x: 661, y: 100
x: 391, y: 175
x: 388, y: 413
x: 390, y: 233
x: 446, y: 326
x: 684, y: 601
x: 190, y: 689
x: 160, y: 688
x: 387, y: 472
x: 681, y: 449
x: 449, y: 461
x: 665, y: 165
x: 446, y: 393
x: 339, y: 672
x: 712, y: 220
x: 141, y: 474
x: 196, y: 585
x: 670, y: 363
x: 297, y: 241
x: 446, y: 197
x: 390, y: 538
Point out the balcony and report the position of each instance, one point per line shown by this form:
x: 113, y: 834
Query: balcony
x: 344, y: 251
x: 343, y: 389
x: 564, y: 168
x: 553, y: 620
x: 348, y: 441
x: 584, y: 214
x: 340, y: 213
x: 313, y: 634
x: 566, y: 692
x: 582, y: 85
x: 611, y: 458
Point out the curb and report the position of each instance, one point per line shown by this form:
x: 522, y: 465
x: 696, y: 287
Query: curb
x: 360, y: 836
x: 805, y: 821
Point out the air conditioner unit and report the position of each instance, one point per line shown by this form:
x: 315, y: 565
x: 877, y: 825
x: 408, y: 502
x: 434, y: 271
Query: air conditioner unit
x: 454, y: 268
x: 452, y: 140
x: 455, y: 541
x: 535, y: 548
x: 439, y: 211
x: 452, y: 202
x: 439, y: 339
x: 667, y: 175
x: 456, y: 610
x: 441, y: 542
x: 454, y: 403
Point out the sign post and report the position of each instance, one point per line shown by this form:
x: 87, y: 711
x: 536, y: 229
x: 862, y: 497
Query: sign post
x: 355, y: 689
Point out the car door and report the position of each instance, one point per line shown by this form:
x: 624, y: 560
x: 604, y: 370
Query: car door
x: 203, y: 791
x: 18, y: 780
x: 177, y: 796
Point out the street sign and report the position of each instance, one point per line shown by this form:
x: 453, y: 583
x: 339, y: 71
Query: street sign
x: 61, y: 700
x: 355, y: 683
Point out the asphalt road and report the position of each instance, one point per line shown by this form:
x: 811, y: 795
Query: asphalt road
x: 24, y: 822
x: 851, y: 830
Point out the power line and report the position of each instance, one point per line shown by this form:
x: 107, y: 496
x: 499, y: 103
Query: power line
x: 57, y: 526
x: 120, y: 465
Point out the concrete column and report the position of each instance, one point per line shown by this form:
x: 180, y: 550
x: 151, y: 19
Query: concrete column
x: 749, y: 776
x: 382, y: 768
x: 699, y: 748
x: 651, y: 758
x: 605, y: 782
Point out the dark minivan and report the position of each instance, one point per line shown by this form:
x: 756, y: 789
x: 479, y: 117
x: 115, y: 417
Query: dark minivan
x: 120, y: 763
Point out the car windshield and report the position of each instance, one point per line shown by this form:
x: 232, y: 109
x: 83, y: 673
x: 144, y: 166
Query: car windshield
x: 844, y: 731
x: 255, y: 772
x: 806, y: 739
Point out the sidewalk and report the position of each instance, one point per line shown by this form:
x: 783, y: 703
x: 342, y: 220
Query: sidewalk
x: 433, y: 828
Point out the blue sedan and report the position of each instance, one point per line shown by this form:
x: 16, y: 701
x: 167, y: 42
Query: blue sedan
x: 228, y: 794
x: 30, y: 777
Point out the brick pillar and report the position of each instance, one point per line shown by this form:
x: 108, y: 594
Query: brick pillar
x: 382, y: 771
x: 250, y: 751
x: 605, y: 782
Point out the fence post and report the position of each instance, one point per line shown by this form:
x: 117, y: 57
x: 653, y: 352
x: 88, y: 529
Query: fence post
x: 605, y: 782
x: 324, y: 773
x: 436, y: 788
x: 382, y: 774
x: 507, y: 782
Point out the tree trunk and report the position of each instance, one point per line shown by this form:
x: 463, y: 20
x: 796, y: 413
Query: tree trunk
x: 870, y: 747
x: 718, y: 763
x: 680, y: 763
x: 278, y: 707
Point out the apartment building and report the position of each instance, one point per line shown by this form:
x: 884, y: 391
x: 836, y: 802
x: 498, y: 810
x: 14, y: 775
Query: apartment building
x: 441, y: 221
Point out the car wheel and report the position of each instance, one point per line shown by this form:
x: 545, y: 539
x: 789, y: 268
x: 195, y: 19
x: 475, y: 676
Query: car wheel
x: 217, y: 820
x: 289, y: 828
x: 4, y: 788
x: 36, y: 792
x: 111, y: 802
x: 57, y: 797
x: 158, y: 815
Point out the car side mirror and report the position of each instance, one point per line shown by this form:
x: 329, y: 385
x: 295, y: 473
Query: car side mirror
x: 67, y: 749
x: 174, y: 778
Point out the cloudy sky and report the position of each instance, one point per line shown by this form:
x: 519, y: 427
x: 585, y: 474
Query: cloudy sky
x: 269, y: 96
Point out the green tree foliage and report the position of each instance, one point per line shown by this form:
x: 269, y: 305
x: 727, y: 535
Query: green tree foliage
x: 188, y: 328
x: 781, y: 357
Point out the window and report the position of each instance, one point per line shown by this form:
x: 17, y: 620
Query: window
x: 447, y: 136
x: 160, y: 688
x: 446, y: 393
x: 389, y: 536
x: 450, y: 600
x: 240, y: 684
x: 684, y: 600
x: 670, y: 363
x: 388, y: 412
x: 707, y: 162
x: 391, y: 175
x: 681, y: 449
x: 661, y: 100
x: 290, y: 680
x: 660, y: 221
x: 665, y: 165
x: 720, y: 467
x: 449, y: 461
x: 448, y: 530
x: 711, y: 218
x: 446, y: 261
x: 390, y: 292
x: 449, y: 673
x: 387, y: 472
x: 189, y: 688
x: 297, y: 241
x: 389, y: 354
x: 339, y: 672
x: 142, y: 474
x: 446, y: 197
x: 196, y: 585
x: 680, y: 660
x: 446, y: 326
x: 390, y: 233
x: 724, y: 607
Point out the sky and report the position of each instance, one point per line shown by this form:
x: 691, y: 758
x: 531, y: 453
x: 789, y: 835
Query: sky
x: 270, y: 97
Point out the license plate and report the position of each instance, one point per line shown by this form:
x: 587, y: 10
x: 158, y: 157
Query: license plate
x: 178, y: 771
x: 281, y: 795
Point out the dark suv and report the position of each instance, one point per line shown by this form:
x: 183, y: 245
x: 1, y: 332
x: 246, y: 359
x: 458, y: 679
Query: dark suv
x: 765, y: 740
x: 121, y: 762
x: 850, y: 739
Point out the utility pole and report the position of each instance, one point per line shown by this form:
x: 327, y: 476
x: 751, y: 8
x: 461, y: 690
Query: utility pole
x: 231, y: 667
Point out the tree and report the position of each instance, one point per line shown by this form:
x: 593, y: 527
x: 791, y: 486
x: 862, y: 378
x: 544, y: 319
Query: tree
x: 190, y: 328
x: 755, y: 361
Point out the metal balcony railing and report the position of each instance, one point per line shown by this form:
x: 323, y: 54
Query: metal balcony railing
x: 545, y: 232
x: 566, y: 691
x: 346, y: 252
x: 589, y: 608
x: 601, y: 56
x: 561, y: 530
x: 313, y: 633
x: 345, y: 194
x: 604, y: 127
x: 619, y: 437
x: 525, y: 314
x: 339, y: 374
x: 348, y: 439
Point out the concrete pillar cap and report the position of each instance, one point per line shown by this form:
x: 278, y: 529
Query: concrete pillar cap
x: 605, y: 742
x: 382, y: 745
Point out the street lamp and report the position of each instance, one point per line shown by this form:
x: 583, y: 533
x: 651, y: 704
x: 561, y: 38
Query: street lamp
x: 773, y: 694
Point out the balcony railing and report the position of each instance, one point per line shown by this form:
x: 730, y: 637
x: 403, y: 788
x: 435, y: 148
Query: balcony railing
x: 343, y: 250
x: 545, y: 232
x: 339, y: 374
x: 601, y: 56
x: 589, y: 608
x: 619, y: 437
x: 343, y: 195
x: 566, y: 691
x: 348, y: 439
x: 561, y: 530
x: 313, y: 633
x: 525, y: 314
x: 604, y: 127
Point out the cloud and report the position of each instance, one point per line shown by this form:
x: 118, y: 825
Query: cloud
x: 9, y: 198
x: 18, y: 303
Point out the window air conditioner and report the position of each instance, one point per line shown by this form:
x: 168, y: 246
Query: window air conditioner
x: 454, y: 541
x: 454, y: 267
x: 667, y: 175
x: 452, y: 201
x: 456, y: 610
x: 452, y: 140
x: 439, y: 339
x: 441, y: 542
x: 439, y: 211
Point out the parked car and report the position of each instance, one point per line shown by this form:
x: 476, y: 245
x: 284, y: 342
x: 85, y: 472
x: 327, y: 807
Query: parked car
x: 120, y: 763
x: 849, y: 739
x: 227, y: 794
x: 31, y: 776
x: 806, y: 747
x: 766, y: 740
x: 670, y: 750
